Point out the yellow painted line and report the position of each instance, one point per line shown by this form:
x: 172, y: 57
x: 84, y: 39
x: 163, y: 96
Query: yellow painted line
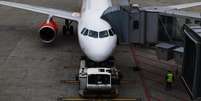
x: 77, y: 82
x: 65, y: 67
x: 73, y: 99
x: 128, y: 81
x: 98, y: 99
x: 124, y: 99
x: 70, y: 81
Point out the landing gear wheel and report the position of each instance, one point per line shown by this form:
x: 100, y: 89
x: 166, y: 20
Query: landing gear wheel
x: 64, y: 30
x: 68, y: 28
x: 71, y: 30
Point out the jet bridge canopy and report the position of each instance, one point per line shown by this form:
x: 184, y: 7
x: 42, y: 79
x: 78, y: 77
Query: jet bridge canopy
x: 112, y: 15
x: 125, y: 21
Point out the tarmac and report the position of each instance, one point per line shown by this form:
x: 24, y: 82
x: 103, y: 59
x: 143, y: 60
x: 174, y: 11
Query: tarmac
x: 32, y: 71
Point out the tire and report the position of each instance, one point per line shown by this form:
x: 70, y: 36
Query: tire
x: 71, y: 30
x: 64, y: 30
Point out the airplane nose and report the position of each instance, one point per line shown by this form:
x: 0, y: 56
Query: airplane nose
x: 99, y: 52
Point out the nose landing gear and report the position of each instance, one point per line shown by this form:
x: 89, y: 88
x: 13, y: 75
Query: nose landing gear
x: 68, y: 28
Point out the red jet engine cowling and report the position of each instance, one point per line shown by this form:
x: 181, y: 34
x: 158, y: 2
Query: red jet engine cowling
x: 48, y: 31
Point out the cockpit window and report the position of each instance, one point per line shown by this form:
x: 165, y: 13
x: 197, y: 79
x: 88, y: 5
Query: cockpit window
x: 111, y: 32
x: 86, y: 32
x: 103, y: 34
x: 83, y: 30
x: 93, y: 34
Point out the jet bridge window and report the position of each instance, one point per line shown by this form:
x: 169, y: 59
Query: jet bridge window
x: 93, y: 34
x: 103, y: 34
x: 135, y: 24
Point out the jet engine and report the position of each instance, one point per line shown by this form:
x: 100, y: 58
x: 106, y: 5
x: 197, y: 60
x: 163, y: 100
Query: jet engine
x: 48, y: 31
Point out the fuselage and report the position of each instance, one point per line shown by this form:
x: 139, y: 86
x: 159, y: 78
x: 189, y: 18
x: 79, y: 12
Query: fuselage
x: 96, y: 38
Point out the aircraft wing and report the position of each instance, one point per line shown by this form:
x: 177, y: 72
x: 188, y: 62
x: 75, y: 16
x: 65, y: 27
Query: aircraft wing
x: 43, y: 10
x: 187, y: 5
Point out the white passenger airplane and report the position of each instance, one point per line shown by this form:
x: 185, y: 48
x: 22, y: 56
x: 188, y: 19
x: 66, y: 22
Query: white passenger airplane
x: 96, y: 37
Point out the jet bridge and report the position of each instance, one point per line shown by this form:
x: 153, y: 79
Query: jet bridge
x: 148, y: 25
x: 191, y: 72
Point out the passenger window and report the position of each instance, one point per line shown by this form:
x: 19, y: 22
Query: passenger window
x: 103, y: 34
x: 111, y: 32
x: 86, y: 32
x: 83, y: 31
x: 93, y: 34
